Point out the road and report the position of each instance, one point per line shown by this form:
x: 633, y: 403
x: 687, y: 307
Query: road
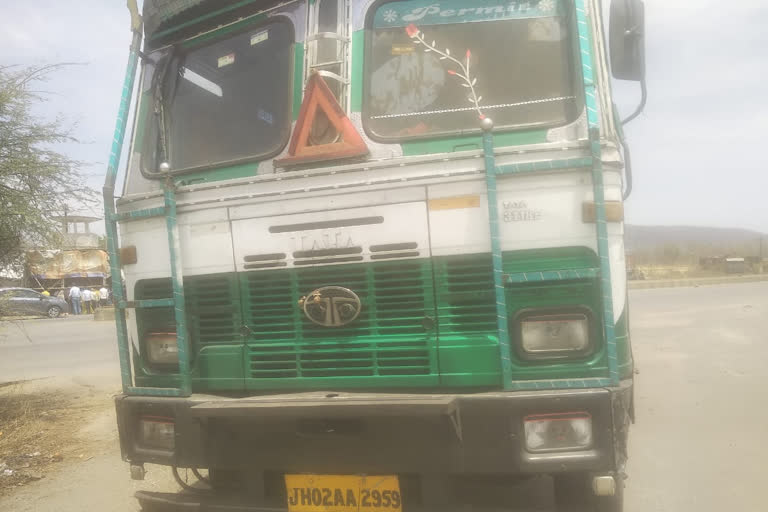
x: 57, y: 347
x: 698, y: 445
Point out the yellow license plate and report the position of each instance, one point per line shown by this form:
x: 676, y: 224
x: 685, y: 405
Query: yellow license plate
x: 343, y: 493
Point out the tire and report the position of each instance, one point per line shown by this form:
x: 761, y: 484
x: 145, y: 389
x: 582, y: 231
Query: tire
x: 573, y: 493
x: 54, y: 312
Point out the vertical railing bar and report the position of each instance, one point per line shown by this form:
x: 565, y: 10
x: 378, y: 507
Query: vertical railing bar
x: 108, y: 191
x: 496, y: 257
x: 177, y: 281
x: 593, y: 122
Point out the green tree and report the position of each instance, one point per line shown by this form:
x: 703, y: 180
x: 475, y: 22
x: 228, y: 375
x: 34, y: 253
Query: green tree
x: 36, y: 180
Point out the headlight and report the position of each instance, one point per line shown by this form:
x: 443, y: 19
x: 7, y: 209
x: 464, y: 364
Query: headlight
x: 162, y: 348
x: 157, y: 433
x: 558, y: 432
x: 553, y: 335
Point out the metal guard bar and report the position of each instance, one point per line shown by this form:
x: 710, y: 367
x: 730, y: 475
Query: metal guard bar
x: 111, y: 218
x: 603, y: 272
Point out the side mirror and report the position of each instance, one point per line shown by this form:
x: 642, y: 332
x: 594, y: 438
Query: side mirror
x: 627, y: 39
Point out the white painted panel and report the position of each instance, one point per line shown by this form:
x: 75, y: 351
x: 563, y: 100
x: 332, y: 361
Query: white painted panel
x: 206, y: 242
x: 150, y: 238
x: 402, y: 223
x: 206, y: 245
x: 618, y: 274
x: 328, y: 201
x: 460, y: 231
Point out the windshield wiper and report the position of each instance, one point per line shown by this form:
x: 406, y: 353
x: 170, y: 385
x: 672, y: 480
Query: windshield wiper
x: 162, y: 68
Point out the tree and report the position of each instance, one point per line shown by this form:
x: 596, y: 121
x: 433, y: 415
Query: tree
x: 36, y: 181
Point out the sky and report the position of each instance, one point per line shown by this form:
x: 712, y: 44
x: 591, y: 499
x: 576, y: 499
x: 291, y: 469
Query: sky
x: 696, y: 149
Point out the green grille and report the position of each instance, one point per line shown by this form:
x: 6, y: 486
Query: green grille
x: 392, y: 335
x: 154, y: 319
x: 250, y: 325
x: 465, y: 295
x: 213, y: 309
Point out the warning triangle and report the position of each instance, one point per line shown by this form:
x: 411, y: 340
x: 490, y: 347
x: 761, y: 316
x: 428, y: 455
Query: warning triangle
x: 350, y: 144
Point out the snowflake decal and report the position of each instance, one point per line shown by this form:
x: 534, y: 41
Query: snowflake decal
x: 390, y: 16
x: 546, y: 5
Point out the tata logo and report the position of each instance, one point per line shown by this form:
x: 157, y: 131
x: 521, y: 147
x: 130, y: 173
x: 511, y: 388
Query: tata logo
x: 331, y: 306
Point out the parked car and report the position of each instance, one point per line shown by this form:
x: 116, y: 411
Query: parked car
x: 23, y: 301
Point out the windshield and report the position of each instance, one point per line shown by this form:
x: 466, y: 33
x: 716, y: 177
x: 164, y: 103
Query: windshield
x: 436, y: 67
x: 224, y: 101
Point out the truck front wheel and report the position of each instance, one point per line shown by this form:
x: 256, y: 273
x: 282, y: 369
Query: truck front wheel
x: 573, y: 493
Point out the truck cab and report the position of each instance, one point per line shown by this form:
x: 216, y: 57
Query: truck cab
x: 373, y: 253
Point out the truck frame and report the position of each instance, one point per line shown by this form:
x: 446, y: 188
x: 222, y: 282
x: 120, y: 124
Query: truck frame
x: 395, y: 317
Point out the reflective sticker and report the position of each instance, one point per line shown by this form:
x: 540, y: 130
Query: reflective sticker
x: 402, y: 49
x: 226, y: 60
x: 259, y: 37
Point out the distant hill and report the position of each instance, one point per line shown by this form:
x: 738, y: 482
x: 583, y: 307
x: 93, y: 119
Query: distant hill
x: 687, y: 244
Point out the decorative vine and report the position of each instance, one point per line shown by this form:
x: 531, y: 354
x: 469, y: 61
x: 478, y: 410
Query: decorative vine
x: 464, y: 67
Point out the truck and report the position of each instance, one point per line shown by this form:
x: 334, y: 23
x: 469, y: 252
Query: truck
x: 369, y: 256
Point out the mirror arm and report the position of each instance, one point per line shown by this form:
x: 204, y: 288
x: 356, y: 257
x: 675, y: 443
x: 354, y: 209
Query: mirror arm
x: 641, y: 106
x: 627, y: 169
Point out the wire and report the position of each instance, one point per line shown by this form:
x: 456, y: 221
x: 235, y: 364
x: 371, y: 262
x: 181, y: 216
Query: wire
x: 184, y: 485
x: 643, y: 101
x: 200, y: 477
x: 627, y: 169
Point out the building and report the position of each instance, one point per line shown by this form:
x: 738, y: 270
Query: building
x: 80, y: 261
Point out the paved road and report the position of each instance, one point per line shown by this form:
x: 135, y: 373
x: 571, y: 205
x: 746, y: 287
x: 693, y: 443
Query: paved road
x: 699, y: 444
x: 60, y: 347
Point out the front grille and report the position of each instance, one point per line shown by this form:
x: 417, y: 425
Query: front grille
x: 395, y: 334
x: 388, y: 337
x: 212, y: 305
x: 213, y: 308
x: 465, y: 297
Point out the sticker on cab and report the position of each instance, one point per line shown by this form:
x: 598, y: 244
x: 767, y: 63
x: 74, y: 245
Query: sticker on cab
x: 259, y: 37
x: 403, y: 49
x: 226, y: 60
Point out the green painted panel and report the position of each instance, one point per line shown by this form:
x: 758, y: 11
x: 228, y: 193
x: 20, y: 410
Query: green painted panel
x: 220, y: 174
x: 473, y: 142
x: 424, y: 323
x: 469, y: 362
x: 209, y: 15
x: 358, y: 55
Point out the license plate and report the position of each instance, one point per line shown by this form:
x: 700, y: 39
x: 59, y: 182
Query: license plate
x: 343, y: 493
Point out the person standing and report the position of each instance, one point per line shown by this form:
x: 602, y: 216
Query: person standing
x: 95, y: 299
x: 103, y: 295
x: 74, y: 298
x: 87, y: 296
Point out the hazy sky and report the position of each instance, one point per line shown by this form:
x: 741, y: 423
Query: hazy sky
x: 695, y: 150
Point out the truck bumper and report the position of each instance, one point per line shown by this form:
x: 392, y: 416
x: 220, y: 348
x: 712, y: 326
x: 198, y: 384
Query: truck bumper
x: 436, y: 444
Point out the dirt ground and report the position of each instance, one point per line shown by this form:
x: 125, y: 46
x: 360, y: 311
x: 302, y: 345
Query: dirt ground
x: 58, y: 440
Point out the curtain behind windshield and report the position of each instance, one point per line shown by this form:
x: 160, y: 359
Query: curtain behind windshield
x: 433, y: 70
x: 231, y: 99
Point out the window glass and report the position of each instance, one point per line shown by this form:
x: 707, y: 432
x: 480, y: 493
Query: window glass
x: 223, y: 101
x: 436, y: 67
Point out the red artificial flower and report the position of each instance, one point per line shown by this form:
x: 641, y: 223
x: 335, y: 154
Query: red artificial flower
x: 469, y: 54
x: 412, y: 30
x: 451, y: 72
